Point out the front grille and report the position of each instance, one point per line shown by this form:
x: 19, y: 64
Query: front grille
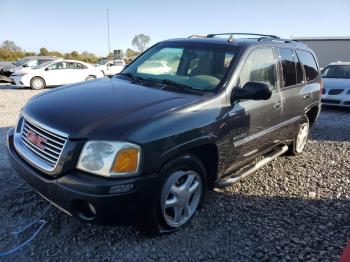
x: 335, y: 91
x: 43, y: 144
x: 328, y: 101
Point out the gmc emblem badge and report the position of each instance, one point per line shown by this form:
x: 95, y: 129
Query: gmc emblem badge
x: 36, y: 139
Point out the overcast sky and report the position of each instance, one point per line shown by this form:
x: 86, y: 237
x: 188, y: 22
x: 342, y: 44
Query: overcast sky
x: 80, y: 25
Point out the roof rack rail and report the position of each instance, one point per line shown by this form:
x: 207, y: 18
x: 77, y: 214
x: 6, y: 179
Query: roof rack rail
x: 252, y: 34
x: 197, y: 36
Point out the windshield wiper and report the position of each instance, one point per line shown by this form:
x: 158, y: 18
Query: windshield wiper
x: 131, y: 76
x: 181, y: 87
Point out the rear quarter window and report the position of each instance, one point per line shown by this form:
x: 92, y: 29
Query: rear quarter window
x: 309, y: 63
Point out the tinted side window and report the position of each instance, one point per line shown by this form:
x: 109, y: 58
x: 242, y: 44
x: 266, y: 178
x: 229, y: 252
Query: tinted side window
x: 288, y: 67
x: 72, y: 65
x: 57, y: 66
x: 260, y: 66
x: 310, y: 66
x: 300, y: 77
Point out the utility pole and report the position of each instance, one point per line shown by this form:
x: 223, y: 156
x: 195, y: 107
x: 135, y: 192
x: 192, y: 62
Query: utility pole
x: 109, y: 44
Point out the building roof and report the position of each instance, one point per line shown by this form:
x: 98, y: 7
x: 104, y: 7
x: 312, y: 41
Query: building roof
x: 321, y: 38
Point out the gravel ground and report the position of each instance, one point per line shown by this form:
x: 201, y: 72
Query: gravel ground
x: 296, y: 208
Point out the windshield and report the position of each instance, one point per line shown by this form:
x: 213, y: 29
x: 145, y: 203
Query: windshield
x: 21, y: 62
x: 336, y: 71
x: 102, y: 62
x: 199, y: 66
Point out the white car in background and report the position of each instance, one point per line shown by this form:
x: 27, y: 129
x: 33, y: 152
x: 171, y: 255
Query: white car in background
x: 154, y: 67
x: 56, y: 73
x: 109, y: 67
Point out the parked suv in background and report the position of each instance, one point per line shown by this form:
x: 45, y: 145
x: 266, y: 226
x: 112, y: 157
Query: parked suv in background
x: 110, y: 67
x: 147, y: 146
x: 336, y: 84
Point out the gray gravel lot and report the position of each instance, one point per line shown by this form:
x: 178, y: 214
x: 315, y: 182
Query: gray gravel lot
x: 296, y: 208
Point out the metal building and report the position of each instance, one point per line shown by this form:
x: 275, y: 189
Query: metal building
x: 328, y: 49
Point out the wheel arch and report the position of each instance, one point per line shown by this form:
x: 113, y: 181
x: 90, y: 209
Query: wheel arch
x: 205, y: 150
x: 312, y: 114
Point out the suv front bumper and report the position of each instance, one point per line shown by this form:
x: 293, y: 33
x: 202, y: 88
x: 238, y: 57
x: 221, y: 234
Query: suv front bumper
x: 89, y: 197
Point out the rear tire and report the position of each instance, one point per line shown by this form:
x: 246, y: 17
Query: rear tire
x: 300, y: 140
x: 181, y: 193
x: 37, y: 83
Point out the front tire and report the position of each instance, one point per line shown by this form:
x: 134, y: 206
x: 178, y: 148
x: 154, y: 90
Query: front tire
x: 182, y: 191
x: 301, y: 137
x: 37, y: 83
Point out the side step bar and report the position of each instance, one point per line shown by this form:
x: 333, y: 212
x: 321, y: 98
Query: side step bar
x: 246, y: 172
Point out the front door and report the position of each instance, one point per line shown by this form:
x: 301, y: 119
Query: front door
x: 261, y: 118
x: 56, y: 74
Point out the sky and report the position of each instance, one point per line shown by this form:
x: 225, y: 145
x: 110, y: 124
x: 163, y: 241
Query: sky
x: 81, y: 25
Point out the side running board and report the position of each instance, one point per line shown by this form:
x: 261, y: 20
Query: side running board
x: 248, y: 171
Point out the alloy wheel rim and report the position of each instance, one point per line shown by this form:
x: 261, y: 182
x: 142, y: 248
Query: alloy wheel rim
x: 181, y: 197
x: 37, y: 83
x: 302, y: 137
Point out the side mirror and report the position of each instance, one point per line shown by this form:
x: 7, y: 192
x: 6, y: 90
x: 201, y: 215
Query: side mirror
x: 47, y: 69
x: 25, y: 65
x: 252, y: 91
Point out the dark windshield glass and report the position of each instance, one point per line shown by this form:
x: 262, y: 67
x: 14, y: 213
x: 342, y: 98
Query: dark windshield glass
x: 21, y: 62
x: 199, y: 66
x: 102, y: 62
x: 336, y: 71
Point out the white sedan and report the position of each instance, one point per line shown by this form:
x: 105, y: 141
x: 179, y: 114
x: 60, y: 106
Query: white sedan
x: 56, y: 73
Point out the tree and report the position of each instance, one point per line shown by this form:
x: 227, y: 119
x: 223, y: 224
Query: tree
x: 141, y: 41
x: 9, y: 51
x: 11, y: 46
x: 55, y: 54
x: 29, y: 54
x: 43, y: 51
x: 88, y: 57
x: 110, y: 56
x: 74, y: 54
x: 131, y: 54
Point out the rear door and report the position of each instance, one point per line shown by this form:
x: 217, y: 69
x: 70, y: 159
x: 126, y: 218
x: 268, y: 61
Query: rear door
x: 77, y: 72
x: 295, y: 89
x: 263, y: 117
x: 291, y: 84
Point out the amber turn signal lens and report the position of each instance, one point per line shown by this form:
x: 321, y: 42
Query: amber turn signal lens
x: 126, y: 161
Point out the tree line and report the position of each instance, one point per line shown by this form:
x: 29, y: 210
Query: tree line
x: 10, y: 51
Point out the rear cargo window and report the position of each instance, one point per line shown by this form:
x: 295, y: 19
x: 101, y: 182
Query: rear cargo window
x: 309, y: 63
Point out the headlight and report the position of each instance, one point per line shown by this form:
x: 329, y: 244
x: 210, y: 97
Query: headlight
x: 107, y: 158
x: 22, y: 74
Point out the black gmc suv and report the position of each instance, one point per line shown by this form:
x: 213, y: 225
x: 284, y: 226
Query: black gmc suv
x: 186, y: 115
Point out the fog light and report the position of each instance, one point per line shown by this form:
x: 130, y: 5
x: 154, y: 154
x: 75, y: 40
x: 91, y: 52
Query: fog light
x: 121, y: 188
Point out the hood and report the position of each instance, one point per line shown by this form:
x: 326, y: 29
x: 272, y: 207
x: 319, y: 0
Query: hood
x: 103, y: 109
x: 21, y: 70
x: 336, y: 83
